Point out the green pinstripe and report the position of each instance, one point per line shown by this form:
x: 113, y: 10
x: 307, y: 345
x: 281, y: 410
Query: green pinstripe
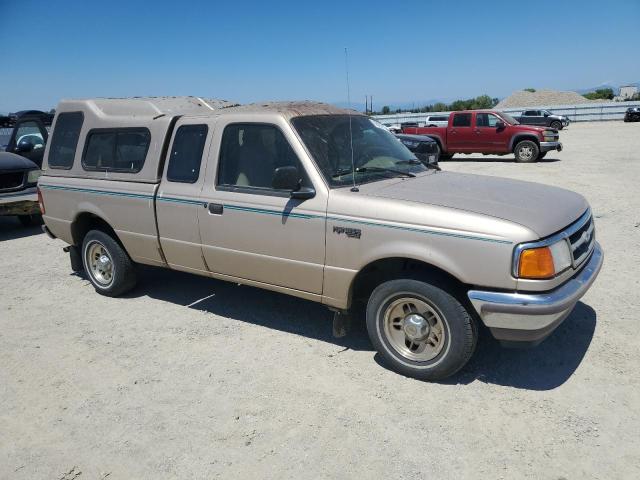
x: 278, y: 213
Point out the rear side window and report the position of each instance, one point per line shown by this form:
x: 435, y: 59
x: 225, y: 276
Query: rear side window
x: 117, y: 150
x: 462, y: 120
x: 65, y: 140
x: 186, y: 154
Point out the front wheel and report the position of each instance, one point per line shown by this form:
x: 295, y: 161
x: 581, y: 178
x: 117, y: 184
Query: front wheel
x: 526, y: 151
x: 107, y: 264
x: 419, y: 329
x: 557, y: 125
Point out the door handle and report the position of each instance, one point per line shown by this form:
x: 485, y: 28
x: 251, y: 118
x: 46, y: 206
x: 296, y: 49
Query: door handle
x: 216, y: 208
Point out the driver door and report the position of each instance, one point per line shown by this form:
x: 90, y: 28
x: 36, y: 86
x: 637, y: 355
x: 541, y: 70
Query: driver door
x: 250, y: 230
x: 28, y: 139
x: 492, y: 138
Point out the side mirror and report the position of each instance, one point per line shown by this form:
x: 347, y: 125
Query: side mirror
x: 500, y: 125
x: 24, y: 146
x: 288, y: 178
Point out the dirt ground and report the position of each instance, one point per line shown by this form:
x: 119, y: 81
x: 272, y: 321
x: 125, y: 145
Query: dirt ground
x: 193, y: 378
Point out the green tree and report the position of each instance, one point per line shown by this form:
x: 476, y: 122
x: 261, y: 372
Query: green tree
x: 386, y: 110
x: 600, y: 93
x: 530, y: 90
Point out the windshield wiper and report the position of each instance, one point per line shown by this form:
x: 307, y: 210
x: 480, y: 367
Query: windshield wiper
x: 346, y: 171
x: 415, y: 161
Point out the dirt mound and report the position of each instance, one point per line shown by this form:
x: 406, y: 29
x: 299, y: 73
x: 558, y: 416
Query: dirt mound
x: 542, y: 98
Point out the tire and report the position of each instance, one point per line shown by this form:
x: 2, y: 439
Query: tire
x: 446, y: 156
x: 110, y: 276
x: 420, y: 330
x: 557, y: 125
x: 526, y: 151
x: 30, y: 220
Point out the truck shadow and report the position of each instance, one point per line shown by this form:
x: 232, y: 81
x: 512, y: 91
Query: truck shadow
x: 490, y: 159
x: 12, y: 229
x: 544, y: 367
x: 248, y: 304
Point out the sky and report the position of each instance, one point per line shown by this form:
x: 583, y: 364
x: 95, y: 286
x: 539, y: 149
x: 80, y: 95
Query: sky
x: 399, y: 52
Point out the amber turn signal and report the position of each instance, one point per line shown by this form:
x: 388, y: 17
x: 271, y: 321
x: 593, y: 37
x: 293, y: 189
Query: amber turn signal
x: 536, y: 263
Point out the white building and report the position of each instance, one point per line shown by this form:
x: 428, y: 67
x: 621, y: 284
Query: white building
x: 626, y: 93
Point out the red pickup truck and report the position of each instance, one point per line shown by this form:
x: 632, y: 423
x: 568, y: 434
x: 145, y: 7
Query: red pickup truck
x: 490, y: 132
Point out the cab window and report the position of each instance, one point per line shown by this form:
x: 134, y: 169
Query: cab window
x: 186, y: 154
x: 249, y: 155
x: 486, y: 120
x: 462, y: 120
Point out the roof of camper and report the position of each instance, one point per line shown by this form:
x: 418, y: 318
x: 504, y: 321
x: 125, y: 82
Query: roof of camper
x: 194, y: 106
x: 149, y: 106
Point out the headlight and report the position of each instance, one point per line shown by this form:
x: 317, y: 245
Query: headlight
x: 33, y: 176
x: 544, y: 262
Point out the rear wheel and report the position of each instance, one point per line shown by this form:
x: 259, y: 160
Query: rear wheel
x: 107, y: 265
x: 420, y: 330
x: 526, y: 151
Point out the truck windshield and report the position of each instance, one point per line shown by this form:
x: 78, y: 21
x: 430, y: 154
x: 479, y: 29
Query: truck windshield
x: 509, y: 119
x: 377, y: 154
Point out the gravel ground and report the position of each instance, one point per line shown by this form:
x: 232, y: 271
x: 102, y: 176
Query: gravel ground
x: 193, y: 378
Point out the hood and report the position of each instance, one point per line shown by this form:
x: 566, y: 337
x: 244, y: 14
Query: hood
x: 530, y: 128
x: 541, y: 208
x: 11, y: 161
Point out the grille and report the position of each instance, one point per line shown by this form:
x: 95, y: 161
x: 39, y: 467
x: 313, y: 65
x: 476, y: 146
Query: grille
x: 431, y: 147
x: 582, y: 242
x: 11, y: 180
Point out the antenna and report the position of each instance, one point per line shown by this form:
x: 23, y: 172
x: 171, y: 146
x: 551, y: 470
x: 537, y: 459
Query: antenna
x: 353, y: 163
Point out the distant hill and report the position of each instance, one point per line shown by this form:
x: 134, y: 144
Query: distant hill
x: 615, y: 87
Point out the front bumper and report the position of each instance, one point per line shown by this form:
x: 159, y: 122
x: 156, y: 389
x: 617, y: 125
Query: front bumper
x: 24, y: 202
x: 530, y: 318
x: 547, y: 146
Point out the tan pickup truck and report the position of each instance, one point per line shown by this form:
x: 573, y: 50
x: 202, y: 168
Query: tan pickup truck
x: 321, y: 203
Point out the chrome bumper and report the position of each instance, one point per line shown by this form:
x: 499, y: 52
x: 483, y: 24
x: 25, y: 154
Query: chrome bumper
x: 24, y: 202
x: 531, y: 317
x: 547, y: 146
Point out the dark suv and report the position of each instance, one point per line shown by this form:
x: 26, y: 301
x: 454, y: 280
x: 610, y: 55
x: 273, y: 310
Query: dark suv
x: 632, y: 114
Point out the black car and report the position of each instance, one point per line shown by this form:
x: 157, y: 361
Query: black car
x: 632, y: 114
x: 18, y: 194
x: 425, y: 148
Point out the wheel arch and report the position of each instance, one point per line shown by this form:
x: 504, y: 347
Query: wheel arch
x: 520, y: 137
x: 86, y: 221
x: 395, y: 267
